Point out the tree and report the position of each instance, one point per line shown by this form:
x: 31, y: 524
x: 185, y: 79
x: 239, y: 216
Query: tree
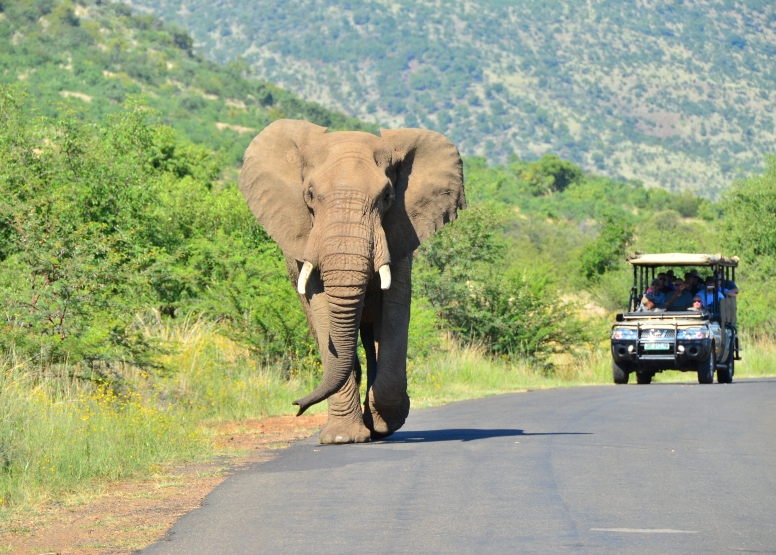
x: 608, y: 250
x: 750, y: 214
x: 551, y: 174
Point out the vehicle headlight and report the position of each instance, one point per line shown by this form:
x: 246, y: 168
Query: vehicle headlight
x: 693, y: 333
x: 625, y: 333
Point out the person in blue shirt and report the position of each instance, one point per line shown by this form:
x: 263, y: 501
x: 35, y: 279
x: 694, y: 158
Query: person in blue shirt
x: 707, y: 296
x: 727, y: 287
x: 655, y: 295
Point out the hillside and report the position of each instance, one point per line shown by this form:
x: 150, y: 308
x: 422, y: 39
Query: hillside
x: 93, y: 57
x: 677, y: 94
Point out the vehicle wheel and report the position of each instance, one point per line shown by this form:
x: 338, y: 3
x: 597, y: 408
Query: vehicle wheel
x: 644, y: 378
x: 726, y: 374
x: 619, y: 373
x: 706, y: 367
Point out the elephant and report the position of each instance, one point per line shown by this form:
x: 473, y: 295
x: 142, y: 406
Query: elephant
x: 348, y: 209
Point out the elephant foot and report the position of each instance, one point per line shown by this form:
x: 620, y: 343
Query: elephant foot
x: 383, y: 419
x: 338, y: 431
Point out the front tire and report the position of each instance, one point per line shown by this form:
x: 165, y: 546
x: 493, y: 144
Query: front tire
x: 620, y: 373
x: 725, y: 375
x: 706, y: 367
x: 644, y: 378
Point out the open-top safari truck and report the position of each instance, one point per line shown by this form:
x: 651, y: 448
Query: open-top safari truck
x: 648, y: 341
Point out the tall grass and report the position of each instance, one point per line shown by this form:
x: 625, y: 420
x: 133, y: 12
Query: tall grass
x: 57, y: 435
x: 219, y: 379
x: 758, y: 356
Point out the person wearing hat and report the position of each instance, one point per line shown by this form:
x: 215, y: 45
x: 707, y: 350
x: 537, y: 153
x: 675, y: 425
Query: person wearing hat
x: 654, y: 300
x: 658, y: 292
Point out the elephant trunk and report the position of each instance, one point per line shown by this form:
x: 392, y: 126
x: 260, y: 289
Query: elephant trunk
x: 346, y: 266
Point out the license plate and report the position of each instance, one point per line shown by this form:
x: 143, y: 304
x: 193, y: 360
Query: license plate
x: 656, y: 346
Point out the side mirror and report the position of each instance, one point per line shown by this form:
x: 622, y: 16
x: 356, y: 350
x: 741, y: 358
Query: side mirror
x: 620, y: 317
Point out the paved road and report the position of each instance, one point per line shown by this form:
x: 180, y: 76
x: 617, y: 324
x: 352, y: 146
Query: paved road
x: 628, y: 469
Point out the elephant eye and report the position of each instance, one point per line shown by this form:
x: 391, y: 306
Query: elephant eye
x: 387, y: 196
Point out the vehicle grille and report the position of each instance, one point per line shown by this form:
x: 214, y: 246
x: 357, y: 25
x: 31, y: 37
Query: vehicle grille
x: 656, y: 335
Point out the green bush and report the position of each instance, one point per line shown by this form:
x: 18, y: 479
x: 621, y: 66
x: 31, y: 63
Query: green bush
x: 100, y: 223
x: 463, y: 270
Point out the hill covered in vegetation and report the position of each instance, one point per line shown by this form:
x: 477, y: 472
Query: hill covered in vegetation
x: 93, y: 56
x: 676, y: 94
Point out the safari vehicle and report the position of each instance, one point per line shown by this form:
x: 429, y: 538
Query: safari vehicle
x: 645, y: 342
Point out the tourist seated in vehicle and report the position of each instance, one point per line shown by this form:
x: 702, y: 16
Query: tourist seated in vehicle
x: 693, y: 281
x: 697, y: 304
x: 668, y: 287
x: 654, y: 286
x: 727, y: 287
x: 648, y: 304
x: 654, y: 298
x: 707, y: 296
x: 681, y: 298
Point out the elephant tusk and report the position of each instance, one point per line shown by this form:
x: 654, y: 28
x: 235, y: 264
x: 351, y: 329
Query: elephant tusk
x: 304, y: 275
x: 385, y: 277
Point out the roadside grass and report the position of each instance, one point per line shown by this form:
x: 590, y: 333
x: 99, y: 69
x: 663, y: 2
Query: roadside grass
x: 467, y: 373
x: 218, y: 379
x: 59, y: 436
x: 62, y: 439
x: 758, y: 360
x: 758, y: 354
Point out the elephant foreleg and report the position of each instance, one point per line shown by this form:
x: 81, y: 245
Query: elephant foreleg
x: 346, y: 420
x: 387, y: 404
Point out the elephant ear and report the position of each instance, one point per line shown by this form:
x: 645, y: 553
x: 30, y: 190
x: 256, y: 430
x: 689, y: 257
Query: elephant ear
x: 271, y: 182
x: 428, y: 188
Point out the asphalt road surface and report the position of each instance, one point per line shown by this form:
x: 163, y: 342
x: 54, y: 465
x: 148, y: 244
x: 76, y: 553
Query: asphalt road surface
x: 629, y: 469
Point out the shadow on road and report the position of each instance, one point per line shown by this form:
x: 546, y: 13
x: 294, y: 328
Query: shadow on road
x: 466, y: 434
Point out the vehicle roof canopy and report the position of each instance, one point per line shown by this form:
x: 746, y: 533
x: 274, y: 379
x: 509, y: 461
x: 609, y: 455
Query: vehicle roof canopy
x: 681, y: 259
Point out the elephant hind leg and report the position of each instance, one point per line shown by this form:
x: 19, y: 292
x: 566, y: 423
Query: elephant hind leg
x: 357, y: 370
x: 385, y: 418
x: 368, y: 341
x: 387, y: 403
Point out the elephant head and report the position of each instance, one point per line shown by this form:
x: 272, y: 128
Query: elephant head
x: 347, y: 204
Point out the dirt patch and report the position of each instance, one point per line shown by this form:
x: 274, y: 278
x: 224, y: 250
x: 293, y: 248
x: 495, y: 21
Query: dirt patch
x: 130, y: 515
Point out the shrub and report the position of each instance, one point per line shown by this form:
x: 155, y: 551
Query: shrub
x: 463, y: 272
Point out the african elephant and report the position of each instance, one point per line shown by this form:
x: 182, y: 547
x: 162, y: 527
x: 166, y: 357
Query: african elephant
x: 348, y: 209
